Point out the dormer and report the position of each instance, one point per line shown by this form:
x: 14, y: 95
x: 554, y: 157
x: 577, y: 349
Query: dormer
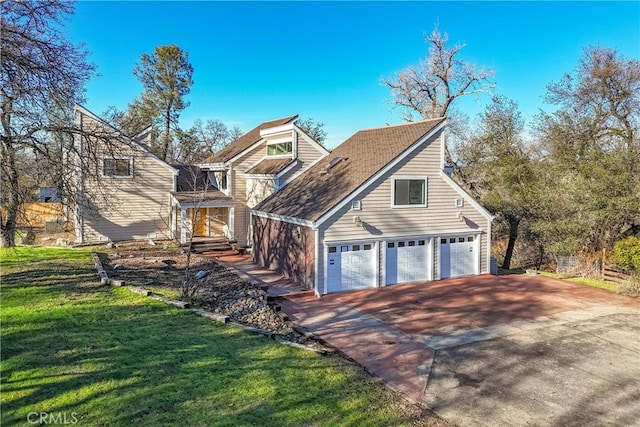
x: 280, y: 141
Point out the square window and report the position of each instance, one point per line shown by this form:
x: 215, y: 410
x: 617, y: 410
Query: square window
x: 333, y: 249
x: 409, y: 192
x: 460, y: 239
x: 391, y: 245
x: 420, y: 242
x: 459, y: 203
x: 356, y: 247
x: 344, y: 248
x: 452, y: 240
x: 367, y: 247
x: 401, y: 244
x: 443, y: 241
x: 116, y: 167
x: 470, y: 239
x: 356, y: 205
x: 412, y: 243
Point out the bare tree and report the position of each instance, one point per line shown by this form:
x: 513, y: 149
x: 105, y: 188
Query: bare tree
x: 313, y: 128
x: 43, y: 75
x: 430, y: 88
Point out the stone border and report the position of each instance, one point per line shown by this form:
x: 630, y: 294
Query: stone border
x: 220, y: 318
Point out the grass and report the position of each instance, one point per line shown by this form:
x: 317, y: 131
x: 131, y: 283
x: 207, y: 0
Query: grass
x: 105, y: 356
x: 585, y: 281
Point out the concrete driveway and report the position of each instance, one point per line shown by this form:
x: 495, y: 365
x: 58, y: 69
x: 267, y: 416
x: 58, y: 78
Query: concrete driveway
x: 493, y: 350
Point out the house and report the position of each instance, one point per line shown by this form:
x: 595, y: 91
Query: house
x: 136, y: 195
x: 258, y: 164
x: 129, y: 194
x: 378, y: 211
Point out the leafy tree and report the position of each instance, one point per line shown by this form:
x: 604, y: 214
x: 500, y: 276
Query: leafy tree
x: 166, y: 76
x: 313, y: 128
x: 43, y: 75
x: 498, y: 170
x: 430, y: 88
x: 593, y: 151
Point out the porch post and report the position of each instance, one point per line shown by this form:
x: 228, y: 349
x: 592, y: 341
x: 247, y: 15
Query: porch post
x: 231, y: 223
x: 183, y: 225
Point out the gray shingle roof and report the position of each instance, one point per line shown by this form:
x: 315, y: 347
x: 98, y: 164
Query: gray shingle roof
x: 356, y: 160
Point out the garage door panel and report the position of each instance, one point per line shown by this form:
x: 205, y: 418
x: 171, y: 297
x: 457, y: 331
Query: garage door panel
x: 407, y: 261
x: 350, y: 267
x: 457, y: 256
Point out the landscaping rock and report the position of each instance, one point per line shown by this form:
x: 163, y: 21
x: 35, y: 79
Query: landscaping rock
x: 200, y: 274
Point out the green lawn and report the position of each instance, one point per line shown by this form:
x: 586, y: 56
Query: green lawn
x: 106, y: 357
x: 585, y: 281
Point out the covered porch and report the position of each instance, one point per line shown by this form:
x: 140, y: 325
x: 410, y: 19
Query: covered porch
x: 211, y: 217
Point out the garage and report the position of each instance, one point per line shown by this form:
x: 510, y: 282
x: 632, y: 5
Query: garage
x: 458, y: 256
x: 351, y: 266
x: 408, y: 261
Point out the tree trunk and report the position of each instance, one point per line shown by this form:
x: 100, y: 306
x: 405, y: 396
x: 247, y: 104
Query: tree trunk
x: 514, y: 223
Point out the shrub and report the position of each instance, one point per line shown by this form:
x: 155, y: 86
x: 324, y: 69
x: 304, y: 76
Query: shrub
x: 630, y: 287
x: 626, y: 254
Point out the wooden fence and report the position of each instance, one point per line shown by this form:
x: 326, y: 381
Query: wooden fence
x: 35, y: 214
x: 611, y: 274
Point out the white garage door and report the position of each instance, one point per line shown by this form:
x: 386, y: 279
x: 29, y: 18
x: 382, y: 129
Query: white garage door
x: 457, y: 256
x: 407, y: 261
x: 351, y: 266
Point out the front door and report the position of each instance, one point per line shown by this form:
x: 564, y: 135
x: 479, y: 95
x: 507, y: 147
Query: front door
x: 200, y: 222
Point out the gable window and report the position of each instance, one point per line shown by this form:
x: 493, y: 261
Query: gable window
x: 280, y: 149
x: 409, y: 192
x: 117, y: 168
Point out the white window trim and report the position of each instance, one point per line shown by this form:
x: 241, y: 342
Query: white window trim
x: 279, y: 142
x: 459, y: 202
x: 356, y: 205
x: 131, y: 173
x: 394, y: 178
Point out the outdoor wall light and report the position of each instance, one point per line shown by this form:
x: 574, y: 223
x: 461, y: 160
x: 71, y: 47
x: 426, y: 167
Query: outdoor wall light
x: 297, y: 232
x: 461, y: 217
x: 357, y: 221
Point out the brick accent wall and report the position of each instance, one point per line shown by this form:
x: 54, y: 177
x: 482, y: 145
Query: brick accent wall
x: 286, y: 248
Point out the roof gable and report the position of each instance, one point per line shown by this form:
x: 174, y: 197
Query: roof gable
x: 349, y: 166
x: 246, y: 141
x: 131, y: 141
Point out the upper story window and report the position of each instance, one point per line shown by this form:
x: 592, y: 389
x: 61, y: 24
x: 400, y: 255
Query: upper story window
x: 409, y: 191
x: 279, y: 148
x: 117, y: 167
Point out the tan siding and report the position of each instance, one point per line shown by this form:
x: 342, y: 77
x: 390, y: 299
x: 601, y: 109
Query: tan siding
x: 258, y: 189
x: 129, y: 208
x: 381, y: 221
x: 307, y: 154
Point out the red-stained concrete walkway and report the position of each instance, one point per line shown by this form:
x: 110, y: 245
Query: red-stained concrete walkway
x: 394, y: 331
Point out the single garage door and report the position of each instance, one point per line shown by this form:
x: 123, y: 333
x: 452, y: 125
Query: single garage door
x: 457, y: 256
x: 407, y: 261
x: 351, y: 266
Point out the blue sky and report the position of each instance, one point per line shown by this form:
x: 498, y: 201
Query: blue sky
x: 256, y: 61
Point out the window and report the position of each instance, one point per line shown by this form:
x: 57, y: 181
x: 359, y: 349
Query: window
x: 391, y: 245
x: 356, y: 205
x: 401, y: 244
x: 356, y: 247
x: 412, y: 243
x: 470, y: 239
x: 409, y: 192
x: 223, y: 181
x: 459, y: 203
x: 333, y: 249
x: 117, y: 167
x: 279, y: 149
x: 367, y: 247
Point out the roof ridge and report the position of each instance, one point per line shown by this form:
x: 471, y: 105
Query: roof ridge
x: 403, y: 124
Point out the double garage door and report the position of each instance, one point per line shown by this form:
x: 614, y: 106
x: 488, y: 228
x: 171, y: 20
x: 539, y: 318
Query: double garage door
x: 354, y: 265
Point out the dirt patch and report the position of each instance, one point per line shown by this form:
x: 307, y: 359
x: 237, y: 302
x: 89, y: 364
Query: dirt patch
x: 161, y: 269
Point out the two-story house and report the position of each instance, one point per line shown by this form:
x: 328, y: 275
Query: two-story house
x: 379, y: 210
x: 136, y: 195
